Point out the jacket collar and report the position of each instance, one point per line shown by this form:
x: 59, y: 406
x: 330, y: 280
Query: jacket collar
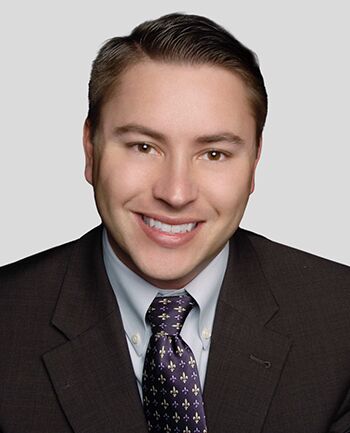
x: 245, y: 287
x: 86, y: 296
x: 92, y: 373
x: 246, y: 358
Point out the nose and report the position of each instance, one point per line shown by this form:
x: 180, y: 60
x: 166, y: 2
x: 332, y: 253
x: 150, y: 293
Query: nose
x: 176, y: 185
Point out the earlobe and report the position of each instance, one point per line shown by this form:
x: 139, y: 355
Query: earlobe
x: 89, y: 152
x: 258, y: 155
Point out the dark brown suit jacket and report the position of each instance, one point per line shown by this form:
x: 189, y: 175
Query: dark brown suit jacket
x: 279, y: 359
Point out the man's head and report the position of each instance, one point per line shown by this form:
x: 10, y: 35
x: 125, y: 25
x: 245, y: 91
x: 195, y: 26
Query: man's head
x: 178, y: 39
x: 172, y: 141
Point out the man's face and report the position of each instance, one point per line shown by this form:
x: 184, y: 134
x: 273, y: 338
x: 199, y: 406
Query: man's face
x: 172, y: 167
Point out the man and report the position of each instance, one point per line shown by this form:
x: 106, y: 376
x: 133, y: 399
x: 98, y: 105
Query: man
x: 169, y: 317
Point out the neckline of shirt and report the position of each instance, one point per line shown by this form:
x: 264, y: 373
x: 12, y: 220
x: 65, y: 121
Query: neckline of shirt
x: 134, y: 295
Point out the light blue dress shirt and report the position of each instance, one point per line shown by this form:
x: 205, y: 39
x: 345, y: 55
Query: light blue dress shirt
x: 134, y: 296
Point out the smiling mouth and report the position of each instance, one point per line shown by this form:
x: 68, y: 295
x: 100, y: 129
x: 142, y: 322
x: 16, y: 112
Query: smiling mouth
x: 168, y: 228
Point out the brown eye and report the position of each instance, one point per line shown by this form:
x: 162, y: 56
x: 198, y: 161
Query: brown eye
x: 214, y: 155
x: 143, y: 147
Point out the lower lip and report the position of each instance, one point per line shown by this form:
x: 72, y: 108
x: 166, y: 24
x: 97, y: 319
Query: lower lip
x: 167, y: 240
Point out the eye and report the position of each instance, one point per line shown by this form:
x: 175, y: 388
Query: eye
x: 143, y: 147
x: 214, y: 155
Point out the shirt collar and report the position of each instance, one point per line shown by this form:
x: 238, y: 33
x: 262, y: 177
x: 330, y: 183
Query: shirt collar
x: 205, y: 289
x: 134, y: 295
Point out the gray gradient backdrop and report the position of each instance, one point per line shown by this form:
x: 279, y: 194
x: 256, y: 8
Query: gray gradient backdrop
x: 46, y: 48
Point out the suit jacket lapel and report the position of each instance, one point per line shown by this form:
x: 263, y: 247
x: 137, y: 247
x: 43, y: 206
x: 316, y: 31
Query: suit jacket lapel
x: 92, y: 373
x: 246, y: 358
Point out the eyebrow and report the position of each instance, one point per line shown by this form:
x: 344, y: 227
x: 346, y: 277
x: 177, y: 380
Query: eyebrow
x: 216, y: 138
x: 139, y: 129
x: 206, y: 139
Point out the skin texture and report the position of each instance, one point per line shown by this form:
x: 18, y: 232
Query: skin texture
x: 171, y: 172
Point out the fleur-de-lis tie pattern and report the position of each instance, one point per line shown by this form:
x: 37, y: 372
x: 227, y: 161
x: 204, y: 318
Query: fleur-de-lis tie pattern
x: 172, y: 394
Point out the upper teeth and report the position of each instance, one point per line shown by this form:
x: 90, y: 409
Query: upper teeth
x: 169, y: 228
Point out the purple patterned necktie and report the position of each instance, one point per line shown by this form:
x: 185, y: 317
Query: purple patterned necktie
x: 171, y: 389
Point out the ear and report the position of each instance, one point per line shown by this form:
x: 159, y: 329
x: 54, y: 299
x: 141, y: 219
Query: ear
x: 258, y: 154
x: 89, y: 152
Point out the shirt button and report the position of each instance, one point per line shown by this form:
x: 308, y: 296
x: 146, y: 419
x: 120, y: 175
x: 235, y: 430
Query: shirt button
x: 135, y: 338
x: 206, y: 334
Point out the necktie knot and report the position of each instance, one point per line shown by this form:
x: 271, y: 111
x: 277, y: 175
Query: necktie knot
x: 167, y: 315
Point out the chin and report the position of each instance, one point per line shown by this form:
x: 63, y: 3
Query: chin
x: 171, y: 278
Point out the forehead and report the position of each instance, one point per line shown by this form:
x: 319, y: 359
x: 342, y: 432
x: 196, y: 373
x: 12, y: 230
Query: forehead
x: 175, y: 77
x: 179, y: 96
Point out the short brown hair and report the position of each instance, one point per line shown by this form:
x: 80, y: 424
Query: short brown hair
x: 178, y: 38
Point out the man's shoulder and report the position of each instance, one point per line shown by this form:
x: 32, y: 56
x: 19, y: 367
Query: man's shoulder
x: 279, y: 254
x: 43, y: 267
x: 303, y: 272
x: 312, y: 293
x: 44, y: 262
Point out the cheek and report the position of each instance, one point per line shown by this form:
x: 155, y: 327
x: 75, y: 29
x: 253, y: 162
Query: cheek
x: 119, y: 180
x: 113, y: 180
x: 229, y: 190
